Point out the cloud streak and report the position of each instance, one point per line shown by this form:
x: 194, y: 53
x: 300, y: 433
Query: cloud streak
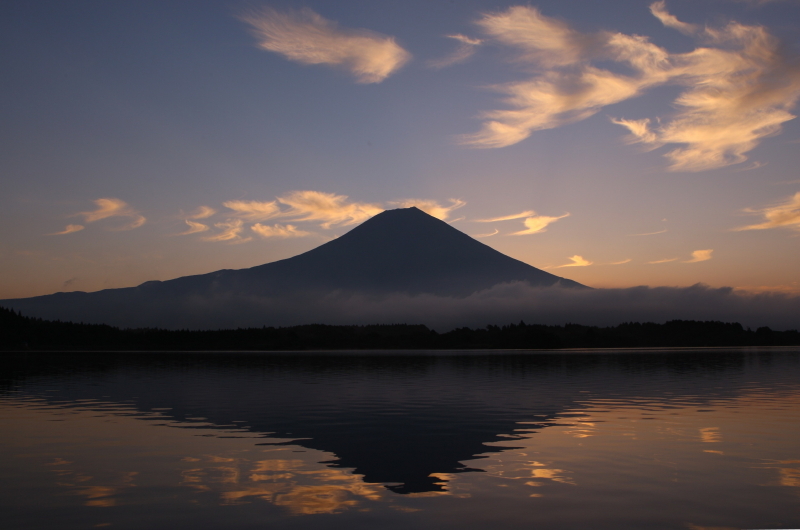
x: 466, y: 49
x: 526, y: 213
x: 739, y: 85
x: 70, y: 229
x: 577, y: 261
x: 700, y: 255
x: 278, y: 230
x: 537, y: 224
x: 782, y: 215
x: 307, y: 38
x: 109, y: 207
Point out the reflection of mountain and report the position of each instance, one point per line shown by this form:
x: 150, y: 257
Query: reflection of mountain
x: 397, y: 251
x: 396, y: 420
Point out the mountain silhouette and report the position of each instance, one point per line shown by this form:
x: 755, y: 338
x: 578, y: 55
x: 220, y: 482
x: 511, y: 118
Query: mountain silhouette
x: 397, y: 251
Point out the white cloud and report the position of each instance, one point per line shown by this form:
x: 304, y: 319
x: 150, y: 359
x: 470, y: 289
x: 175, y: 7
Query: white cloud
x: 577, y: 261
x: 526, y: 213
x: 537, y: 224
x: 278, y: 230
x: 306, y: 37
x: 739, y: 86
x: 700, y: 255
x: 110, y: 207
x: 70, y: 229
x: 431, y: 207
x: 782, y: 215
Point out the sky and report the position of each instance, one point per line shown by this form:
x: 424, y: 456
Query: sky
x: 617, y: 143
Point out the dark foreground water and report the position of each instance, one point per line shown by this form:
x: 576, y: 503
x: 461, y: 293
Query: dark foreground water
x: 704, y: 439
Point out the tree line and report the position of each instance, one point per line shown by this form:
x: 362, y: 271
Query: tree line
x: 21, y: 333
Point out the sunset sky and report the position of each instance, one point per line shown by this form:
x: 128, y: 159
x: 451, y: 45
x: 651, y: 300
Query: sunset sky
x: 616, y: 143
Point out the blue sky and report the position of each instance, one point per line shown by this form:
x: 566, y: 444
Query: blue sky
x: 624, y: 142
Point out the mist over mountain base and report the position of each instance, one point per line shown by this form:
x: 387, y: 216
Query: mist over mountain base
x: 503, y: 303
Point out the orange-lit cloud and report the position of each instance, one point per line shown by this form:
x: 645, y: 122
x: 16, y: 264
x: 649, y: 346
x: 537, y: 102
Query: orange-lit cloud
x: 577, y: 261
x: 306, y: 37
x: 489, y: 234
x: 254, y: 210
x: 621, y: 262
x: 656, y: 262
x: 326, y: 208
x: 110, y: 207
x: 527, y: 213
x: 230, y: 231
x: 431, y: 207
x: 700, y: 255
x: 278, y: 230
x: 202, y: 212
x: 194, y: 228
x: 70, y: 229
x: 537, y: 224
x: 650, y: 233
x: 781, y: 215
x: 739, y: 86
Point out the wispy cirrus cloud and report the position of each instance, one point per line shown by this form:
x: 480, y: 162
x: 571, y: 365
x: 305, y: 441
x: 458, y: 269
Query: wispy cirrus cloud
x: 650, y: 233
x: 521, y: 215
x: 465, y: 50
x: 230, y: 231
x: 576, y: 261
x: 538, y: 224
x: 700, y: 255
x: 202, y: 212
x: 490, y: 234
x: 739, y: 85
x: 254, y: 210
x: 70, y: 229
x: 622, y: 262
x: 431, y: 207
x: 278, y: 230
x: 328, y: 209
x: 306, y: 37
x: 785, y: 214
x: 107, y: 207
x: 668, y: 260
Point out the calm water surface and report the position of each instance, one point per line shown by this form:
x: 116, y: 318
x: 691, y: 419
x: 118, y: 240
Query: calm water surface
x: 675, y: 440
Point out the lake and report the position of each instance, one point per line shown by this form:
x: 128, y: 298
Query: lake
x: 694, y: 439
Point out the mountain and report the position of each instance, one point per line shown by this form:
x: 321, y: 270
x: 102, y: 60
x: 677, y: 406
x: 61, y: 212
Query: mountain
x: 397, y: 251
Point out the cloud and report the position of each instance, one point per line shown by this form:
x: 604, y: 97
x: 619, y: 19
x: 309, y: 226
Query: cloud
x: 466, y: 49
x: 305, y: 37
x: 230, y: 231
x: 700, y: 255
x: 662, y: 261
x: 194, y: 228
x: 488, y: 235
x: 526, y: 213
x: 431, y: 207
x: 577, y: 261
x: 781, y: 215
x: 278, y: 230
x: 537, y: 224
x: 659, y: 10
x: 110, y: 207
x: 70, y: 229
x: 739, y: 86
x: 202, y: 212
x: 254, y: 210
x: 650, y: 233
x: 327, y: 208
x: 621, y: 262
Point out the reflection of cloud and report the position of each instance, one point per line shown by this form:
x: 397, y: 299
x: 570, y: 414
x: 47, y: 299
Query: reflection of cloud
x: 710, y: 435
x: 307, y: 38
x: 70, y: 229
x: 577, y: 261
x: 278, y: 230
x: 537, y: 224
x: 109, y: 207
x: 527, y: 213
x: 466, y: 49
x: 432, y: 207
x: 700, y: 255
x: 782, y: 215
x: 739, y: 86
x: 327, y: 208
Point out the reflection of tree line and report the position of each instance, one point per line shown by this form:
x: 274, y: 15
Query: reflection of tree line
x: 18, y: 332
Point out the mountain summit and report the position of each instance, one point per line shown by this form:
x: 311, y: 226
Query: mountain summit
x: 397, y: 251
